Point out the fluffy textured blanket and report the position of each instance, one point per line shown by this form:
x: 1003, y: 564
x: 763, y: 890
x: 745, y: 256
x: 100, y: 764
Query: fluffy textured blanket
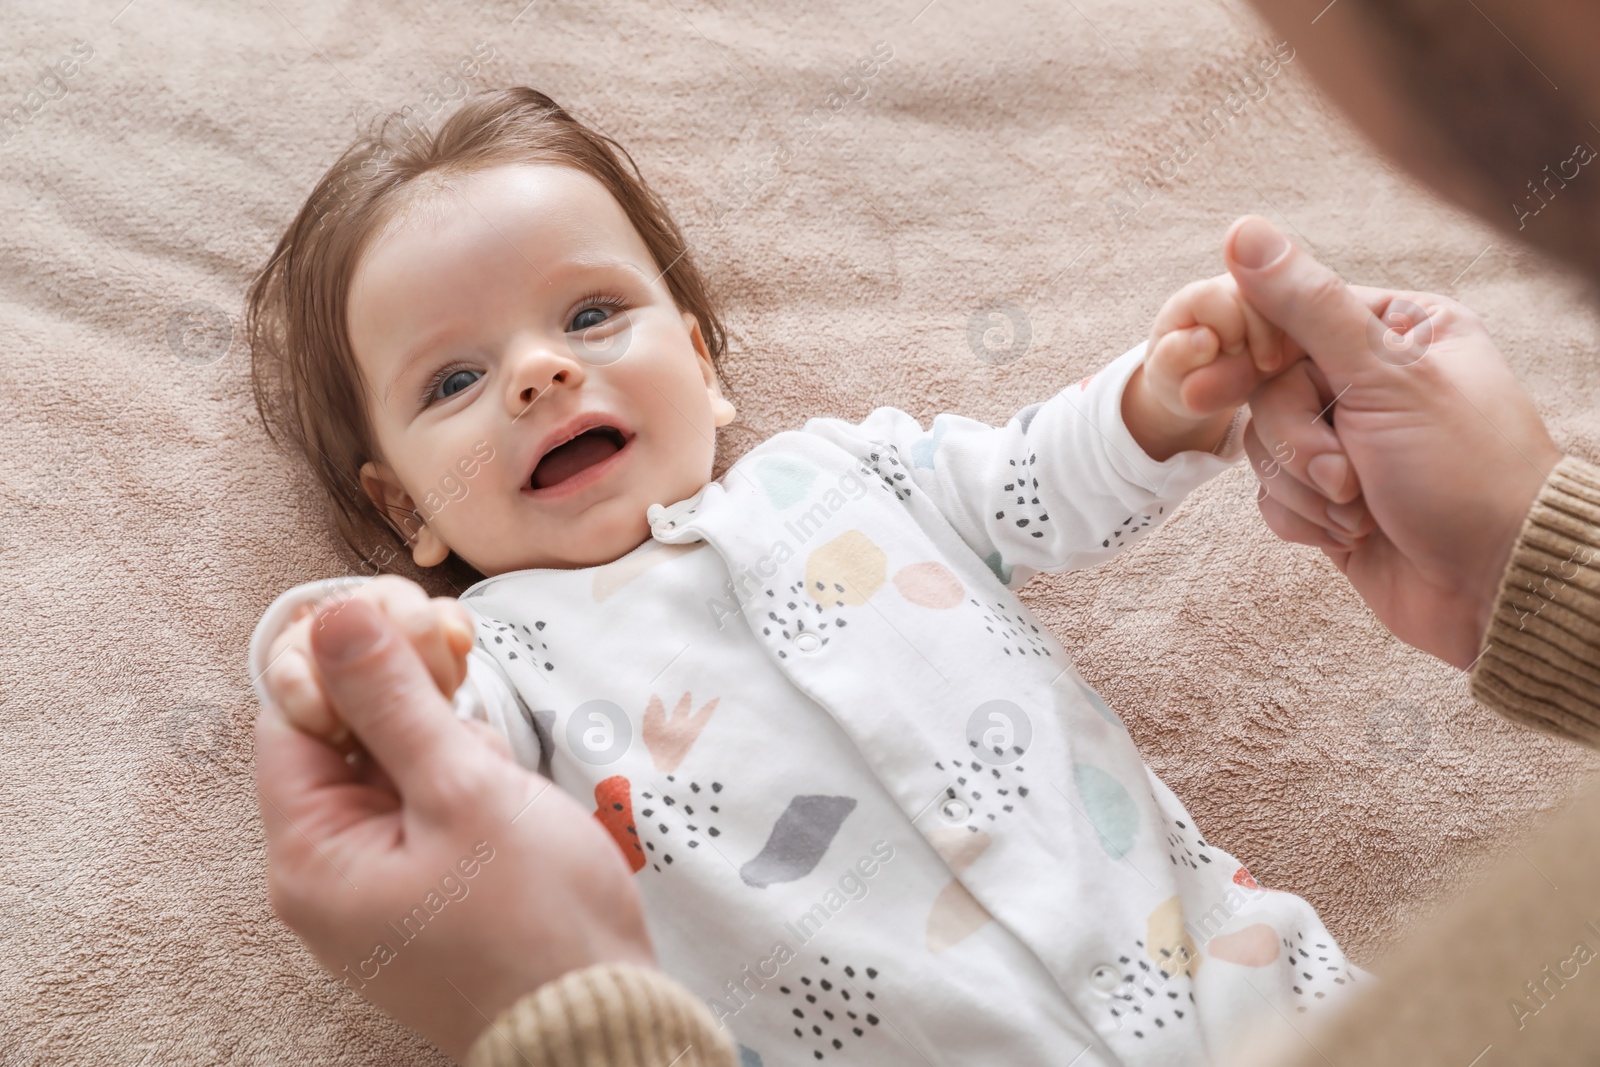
x: 999, y: 206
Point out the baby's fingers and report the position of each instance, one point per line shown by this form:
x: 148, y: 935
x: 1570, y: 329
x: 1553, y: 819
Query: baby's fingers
x: 292, y: 682
x: 1190, y: 372
x: 439, y: 629
x: 1222, y: 385
x: 1176, y: 354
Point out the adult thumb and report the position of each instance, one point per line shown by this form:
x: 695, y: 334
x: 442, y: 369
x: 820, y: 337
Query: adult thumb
x: 383, y: 691
x: 1305, y: 299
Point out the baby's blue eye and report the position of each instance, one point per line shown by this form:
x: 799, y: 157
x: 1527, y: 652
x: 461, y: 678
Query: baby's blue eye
x: 458, y: 381
x: 588, y: 317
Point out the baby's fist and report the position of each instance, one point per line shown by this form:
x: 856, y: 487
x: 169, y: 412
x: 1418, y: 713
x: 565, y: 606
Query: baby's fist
x: 1209, y: 350
x: 440, y: 629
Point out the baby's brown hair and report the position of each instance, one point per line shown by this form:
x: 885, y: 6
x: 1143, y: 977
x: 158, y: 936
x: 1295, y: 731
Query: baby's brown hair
x: 307, y: 385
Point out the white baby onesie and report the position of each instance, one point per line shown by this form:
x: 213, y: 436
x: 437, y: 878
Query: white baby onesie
x: 874, y: 814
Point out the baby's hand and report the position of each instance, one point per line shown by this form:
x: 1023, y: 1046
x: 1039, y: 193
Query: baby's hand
x: 440, y: 629
x: 1208, y: 351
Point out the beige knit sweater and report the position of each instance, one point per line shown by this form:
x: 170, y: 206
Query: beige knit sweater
x: 1510, y: 973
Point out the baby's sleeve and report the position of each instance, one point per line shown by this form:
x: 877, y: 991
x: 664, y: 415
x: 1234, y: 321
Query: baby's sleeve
x: 488, y: 696
x: 1061, y: 485
x: 485, y: 695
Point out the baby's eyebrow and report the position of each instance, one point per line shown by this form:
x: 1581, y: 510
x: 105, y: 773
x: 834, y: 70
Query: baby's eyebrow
x: 415, y: 354
x: 576, y: 264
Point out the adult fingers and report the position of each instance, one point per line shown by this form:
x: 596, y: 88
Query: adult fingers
x: 1348, y: 521
x: 382, y: 691
x: 1292, y: 528
x: 491, y: 737
x: 294, y: 773
x: 1286, y: 415
x: 1266, y: 340
x: 1308, y: 301
x: 433, y: 629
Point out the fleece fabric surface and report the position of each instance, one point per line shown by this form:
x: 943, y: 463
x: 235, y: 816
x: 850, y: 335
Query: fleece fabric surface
x: 998, y: 208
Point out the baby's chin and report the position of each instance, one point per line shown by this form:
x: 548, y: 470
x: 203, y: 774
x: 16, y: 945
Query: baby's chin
x: 591, y: 545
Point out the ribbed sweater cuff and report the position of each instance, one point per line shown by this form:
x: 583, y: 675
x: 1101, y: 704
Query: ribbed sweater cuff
x: 1541, y: 660
x: 614, y: 1015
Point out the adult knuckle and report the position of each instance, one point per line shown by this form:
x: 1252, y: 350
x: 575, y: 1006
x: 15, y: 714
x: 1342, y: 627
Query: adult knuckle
x: 460, y: 788
x: 1325, y: 290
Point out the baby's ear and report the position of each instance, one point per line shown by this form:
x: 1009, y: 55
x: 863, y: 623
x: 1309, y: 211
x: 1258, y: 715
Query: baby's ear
x: 722, y: 409
x: 392, y: 500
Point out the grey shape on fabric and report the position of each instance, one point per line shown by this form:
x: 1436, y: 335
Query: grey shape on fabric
x: 798, y: 840
x: 1025, y: 416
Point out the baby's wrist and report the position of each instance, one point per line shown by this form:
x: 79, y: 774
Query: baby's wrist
x: 1164, y: 432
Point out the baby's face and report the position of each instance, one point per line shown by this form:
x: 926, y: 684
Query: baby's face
x: 532, y: 386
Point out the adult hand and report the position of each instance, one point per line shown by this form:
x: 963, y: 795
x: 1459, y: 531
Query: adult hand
x: 1404, y: 448
x: 436, y: 876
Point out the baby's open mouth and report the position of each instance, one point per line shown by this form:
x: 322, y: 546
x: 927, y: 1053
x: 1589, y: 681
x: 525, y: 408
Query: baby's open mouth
x: 594, y: 445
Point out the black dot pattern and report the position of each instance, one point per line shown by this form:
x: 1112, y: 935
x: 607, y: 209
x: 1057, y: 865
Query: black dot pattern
x: 1019, y: 502
x: 1185, y: 847
x: 1146, y: 1000
x: 799, y: 609
x: 884, y: 461
x: 1130, y: 527
x: 517, y: 642
x: 697, y: 810
x: 992, y: 792
x: 1018, y: 636
x: 832, y: 1005
x: 1315, y: 969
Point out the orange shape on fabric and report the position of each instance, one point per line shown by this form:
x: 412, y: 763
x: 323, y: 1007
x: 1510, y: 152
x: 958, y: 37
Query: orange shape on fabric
x: 1254, y: 946
x: 1168, y: 943
x: 929, y: 585
x: 956, y: 913
x: 956, y: 916
x: 613, y: 799
x: 1242, y: 877
x: 846, y: 570
x: 670, y: 738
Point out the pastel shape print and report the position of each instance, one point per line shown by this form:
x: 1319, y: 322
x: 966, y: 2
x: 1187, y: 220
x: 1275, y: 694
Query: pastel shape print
x: 613, y: 799
x: 669, y: 738
x: 785, y: 481
x: 958, y: 846
x: 1099, y: 704
x: 956, y: 913
x: 1254, y: 946
x: 998, y: 566
x: 798, y: 840
x: 846, y: 570
x: 1109, y: 808
x: 924, y: 448
x: 613, y: 576
x: 1168, y: 943
x: 930, y: 585
x: 1242, y: 877
x: 956, y: 916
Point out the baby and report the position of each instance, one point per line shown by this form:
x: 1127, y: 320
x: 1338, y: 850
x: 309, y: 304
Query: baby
x: 874, y: 814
